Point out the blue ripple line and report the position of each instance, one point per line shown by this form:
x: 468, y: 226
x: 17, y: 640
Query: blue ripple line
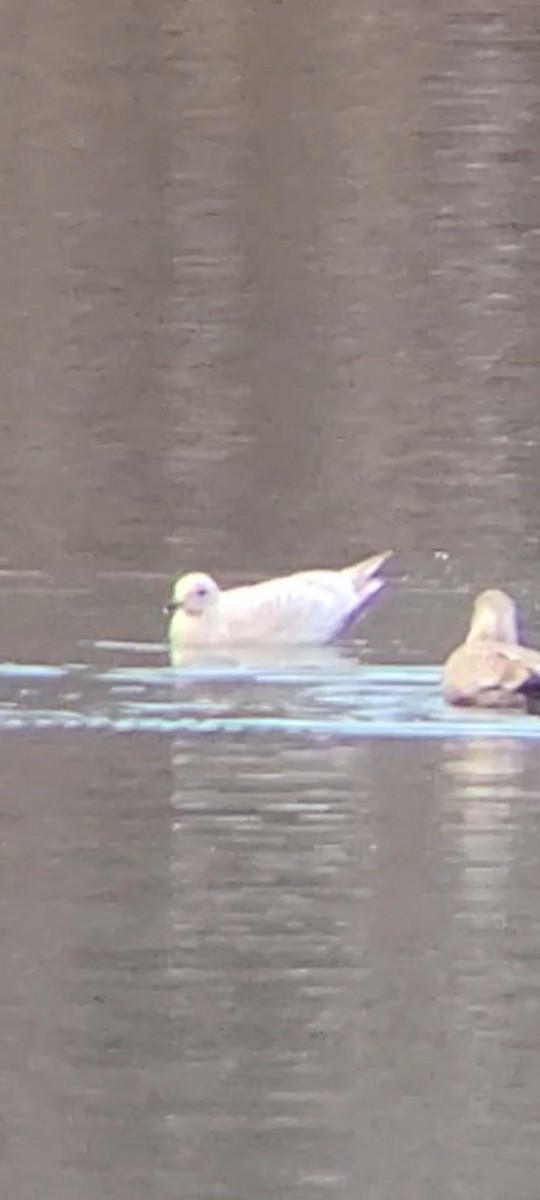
x: 526, y: 729
x: 31, y: 671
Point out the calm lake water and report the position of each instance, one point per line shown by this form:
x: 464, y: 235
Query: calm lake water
x: 269, y: 299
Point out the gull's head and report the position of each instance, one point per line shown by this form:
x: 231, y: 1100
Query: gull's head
x: 494, y: 616
x: 195, y: 594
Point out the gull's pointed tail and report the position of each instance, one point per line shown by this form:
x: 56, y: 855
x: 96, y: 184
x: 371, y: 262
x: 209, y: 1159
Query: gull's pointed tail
x: 362, y: 573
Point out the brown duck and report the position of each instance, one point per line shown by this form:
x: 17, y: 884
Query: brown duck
x: 492, y: 669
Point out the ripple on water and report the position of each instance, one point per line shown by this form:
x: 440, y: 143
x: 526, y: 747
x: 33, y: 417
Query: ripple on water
x: 325, y: 702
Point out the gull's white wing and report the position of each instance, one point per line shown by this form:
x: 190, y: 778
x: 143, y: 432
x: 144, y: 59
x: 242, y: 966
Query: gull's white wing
x: 311, y: 606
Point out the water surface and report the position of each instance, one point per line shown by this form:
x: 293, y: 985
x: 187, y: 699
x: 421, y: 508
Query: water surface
x: 268, y: 300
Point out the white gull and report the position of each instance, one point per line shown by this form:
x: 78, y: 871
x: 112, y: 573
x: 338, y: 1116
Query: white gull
x: 307, y: 608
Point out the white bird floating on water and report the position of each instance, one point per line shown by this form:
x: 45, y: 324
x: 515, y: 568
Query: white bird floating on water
x: 307, y: 608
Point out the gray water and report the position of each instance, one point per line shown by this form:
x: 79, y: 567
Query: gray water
x: 268, y: 299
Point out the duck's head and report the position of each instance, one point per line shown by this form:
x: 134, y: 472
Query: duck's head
x: 195, y: 594
x: 494, y: 616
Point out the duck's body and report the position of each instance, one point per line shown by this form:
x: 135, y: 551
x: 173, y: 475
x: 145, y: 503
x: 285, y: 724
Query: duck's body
x: 492, y: 669
x: 307, y: 608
